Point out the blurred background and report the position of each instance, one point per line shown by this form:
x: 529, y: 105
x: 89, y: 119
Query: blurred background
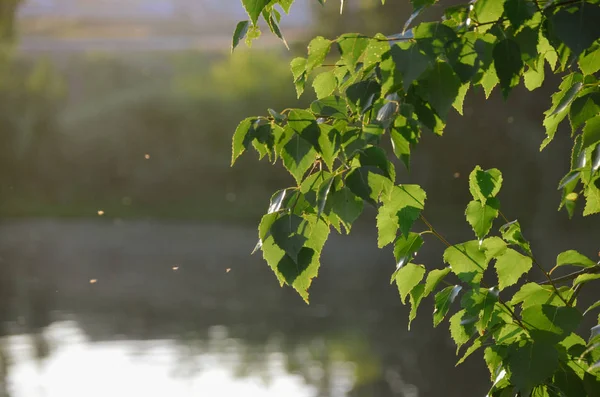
x: 125, y: 237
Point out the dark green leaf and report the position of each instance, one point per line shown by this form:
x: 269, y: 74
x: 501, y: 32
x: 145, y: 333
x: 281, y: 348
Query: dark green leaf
x: 443, y: 300
x: 241, y: 138
x: 531, y: 364
x: 407, y: 278
x: 591, y: 132
x: 368, y: 183
x: 484, y: 184
x: 332, y: 106
x: 363, y: 94
x: 508, y: 64
x: 405, y: 249
x: 562, y: 99
x: 510, y: 267
x: 323, y: 194
x: 298, y: 274
x: 303, y: 123
x: 289, y: 233
x: 584, y: 108
x: 518, y: 11
x: 298, y: 156
x: 577, y: 26
x: 346, y: 206
x: 477, y: 343
x: 410, y: 61
x: 440, y: 87
x: 481, y: 216
x: 550, y: 323
x: 254, y: 8
x: 240, y: 32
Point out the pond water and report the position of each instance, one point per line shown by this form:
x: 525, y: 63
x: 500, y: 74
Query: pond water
x: 153, y: 308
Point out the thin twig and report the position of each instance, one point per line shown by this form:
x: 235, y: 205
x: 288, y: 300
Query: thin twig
x: 574, y: 275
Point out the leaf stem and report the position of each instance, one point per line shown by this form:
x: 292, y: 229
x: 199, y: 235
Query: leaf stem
x: 550, y: 280
x: 574, y: 275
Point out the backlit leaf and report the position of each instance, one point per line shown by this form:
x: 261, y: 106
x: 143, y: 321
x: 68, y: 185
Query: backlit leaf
x: 481, y: 216
x: 324, y: 84
x: 407, y: 278
x: 508, y: 64
x: 318, y: 49
x: 510, y: 267
x: 254, y: 8
x: 467, y: 260
x: 298, y: 156
x: 443, y: 300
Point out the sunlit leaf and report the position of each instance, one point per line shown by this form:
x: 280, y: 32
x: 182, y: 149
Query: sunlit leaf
x: 443, y: 300
x: 407, y: 278
x: 510, y: 267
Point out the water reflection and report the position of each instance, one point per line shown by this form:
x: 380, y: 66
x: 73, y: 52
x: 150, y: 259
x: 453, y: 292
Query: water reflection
x: 142, y: 319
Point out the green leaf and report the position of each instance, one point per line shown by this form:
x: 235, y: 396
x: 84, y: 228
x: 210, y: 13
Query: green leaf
x: 254, y: 8
x: 494, y: 247
x: 298, y: 274
x: 532, y: 294
x: 493, y: 356
x: 550, y: 323
x: 434, y: 278
x: 289, y: 233
x: 481, y: 216
x: 458, y: 331
x: 410, y: 61
x: 368, y: 183
x: 534, y: 76
x: 531, y: 364
x: 298, y: 156
x: 346, y: 206
x: 405, y: 249
x: 477, y: 343
x: 584, y: 108
x: 573, y: 258
x: 467, y: 261
x: 363, y: 94
x: 577, y: 26
x: 511, y: 232
x: 352, y: 46
x: 241, y: 138
x: 508, y: 64
x: 561, y: 100
x: 323, y: 194
x: 407, y: 278
x: 318, y: 49
x: 376, y: 157
x: 303, y: 123
x: 591, y: 132
x: 518, y: 11
x: 375, y: 50
x: 510, y: 267
x: 484, y: 184
x: 416, y: 295
x: 443, y: 300
x: 460, y: 98
x: 589, y: 62
x: 440, y: 87
x: 585, y: 278
x: 404, y: 133
x: 399, y: 210
x: 239, y: 33
x: 298, y: 67
x: 489, y: 80
x: 324, y: 84
x: 592, y: 307
x: 592, y: 204
x: 487, y: 11
x: 331, y: 106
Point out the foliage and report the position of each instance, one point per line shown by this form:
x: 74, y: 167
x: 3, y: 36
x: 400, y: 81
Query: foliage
x: 394, y: 88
